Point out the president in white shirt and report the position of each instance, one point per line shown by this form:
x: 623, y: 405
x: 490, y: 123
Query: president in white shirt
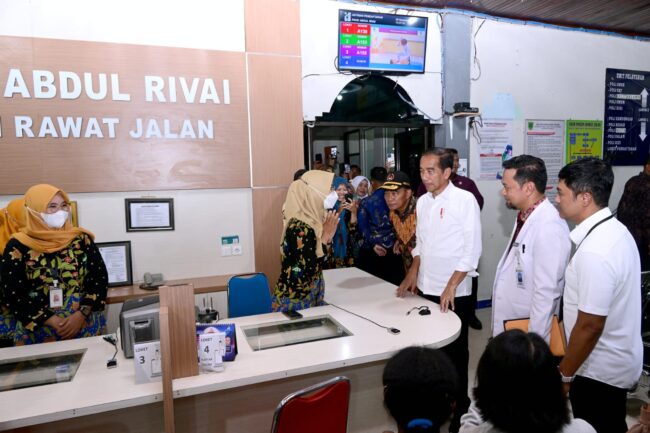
x: 447, y: 251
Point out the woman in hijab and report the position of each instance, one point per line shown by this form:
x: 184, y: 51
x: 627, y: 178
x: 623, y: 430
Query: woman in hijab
x: 12, y: 219
x: 307, y: 227
x: 53, y: 279
x: 341, y: 253
x: 361, y: 186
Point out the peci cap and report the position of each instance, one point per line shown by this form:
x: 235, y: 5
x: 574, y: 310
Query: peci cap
x: 397, y: 180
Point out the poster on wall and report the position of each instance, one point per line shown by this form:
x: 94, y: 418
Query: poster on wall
x: 545, y: 139
x: 495, y: 146
x: 584, y: 139
x: 626, y: 116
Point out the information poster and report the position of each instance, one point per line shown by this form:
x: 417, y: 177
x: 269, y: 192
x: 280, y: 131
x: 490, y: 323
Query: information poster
x: 495, y: 147
x: 626, y: 116
x: 584, y: 139
x: 545, y: 139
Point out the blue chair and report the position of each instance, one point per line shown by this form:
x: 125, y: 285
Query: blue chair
x: 248, y: 294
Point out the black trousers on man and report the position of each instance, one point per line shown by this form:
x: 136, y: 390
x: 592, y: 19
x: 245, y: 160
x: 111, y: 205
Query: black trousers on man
x: 389, y: 267
x: 458, y: 352
x: 600, y: 404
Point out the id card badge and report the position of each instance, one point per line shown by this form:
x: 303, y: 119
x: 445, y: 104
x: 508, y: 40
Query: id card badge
x: 519, y: 271
x: 56, y: 296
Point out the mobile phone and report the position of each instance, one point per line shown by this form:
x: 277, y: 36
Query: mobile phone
x: 349, y: 197
x: 291, y: 314
x: 347, y: 168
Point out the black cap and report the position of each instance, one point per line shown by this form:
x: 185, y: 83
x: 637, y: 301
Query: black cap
x: 397, y: 180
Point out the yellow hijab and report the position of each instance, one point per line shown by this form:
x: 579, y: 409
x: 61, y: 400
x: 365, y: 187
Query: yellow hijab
x: 12, y: 219
x: 305, y: 202
x: 37, y: 235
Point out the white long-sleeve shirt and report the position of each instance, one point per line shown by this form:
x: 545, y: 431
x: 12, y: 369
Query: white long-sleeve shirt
x: 448, y: 236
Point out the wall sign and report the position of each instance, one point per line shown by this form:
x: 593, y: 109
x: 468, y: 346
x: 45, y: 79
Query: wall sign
x: 90, y: 116
x: 584, y: 139
x: 626, y: 116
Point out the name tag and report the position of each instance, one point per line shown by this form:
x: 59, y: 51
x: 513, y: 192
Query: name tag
x: 56, y: 296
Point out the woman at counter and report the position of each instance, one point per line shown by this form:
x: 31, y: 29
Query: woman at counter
x: 307, y: 227
x: 53, y: 279
x: 12, y: 219
x: 341, y: 252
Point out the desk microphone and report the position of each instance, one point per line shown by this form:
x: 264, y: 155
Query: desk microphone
x: 390, y: 329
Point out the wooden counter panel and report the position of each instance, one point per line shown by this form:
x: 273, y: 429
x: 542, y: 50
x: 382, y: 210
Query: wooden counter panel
x: 218, y: 283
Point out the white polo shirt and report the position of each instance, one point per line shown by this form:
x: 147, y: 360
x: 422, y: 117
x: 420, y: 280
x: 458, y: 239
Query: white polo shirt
x: 604, y: 278
x: 448, y: 239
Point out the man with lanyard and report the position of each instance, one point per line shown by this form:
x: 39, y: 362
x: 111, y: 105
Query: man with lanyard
x: 529, y: 279
x: 376, y: 254
x: 448, y: 247
x: 401, y: 202
x: 602, y: 312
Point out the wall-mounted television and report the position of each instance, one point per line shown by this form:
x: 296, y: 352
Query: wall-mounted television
x: 387, y: 43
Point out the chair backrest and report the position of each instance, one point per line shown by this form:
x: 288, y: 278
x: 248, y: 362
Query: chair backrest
x: 248, y: 294
x: 321, y: 408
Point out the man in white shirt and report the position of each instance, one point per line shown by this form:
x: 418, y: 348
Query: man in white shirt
x: 529, y: 279
x: 446, y: 254
x: 602, y: 306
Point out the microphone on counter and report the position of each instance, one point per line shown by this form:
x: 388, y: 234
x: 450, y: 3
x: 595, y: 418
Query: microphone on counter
x: 390, y: 329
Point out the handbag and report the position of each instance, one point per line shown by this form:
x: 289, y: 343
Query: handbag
x: 557, y: 340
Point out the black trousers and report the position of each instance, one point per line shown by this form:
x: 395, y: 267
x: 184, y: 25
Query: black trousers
x: 474, y: 295
x: 600, y: 404
x: 389, y: 267
x: 458, y: 352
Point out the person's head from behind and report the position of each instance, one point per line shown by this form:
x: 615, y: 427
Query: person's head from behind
x: 298, y: 174
x: 355, y: 171
x: 584, y: 188
x: 419, y: 389
x: 378, y: 177
x: 524, y: 181
x: 518, y: 385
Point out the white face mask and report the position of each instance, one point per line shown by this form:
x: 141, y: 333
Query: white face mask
x: 330, y: 200
x: 55, y: 220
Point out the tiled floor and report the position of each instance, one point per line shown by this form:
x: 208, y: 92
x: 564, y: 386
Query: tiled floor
x: 478, y: 341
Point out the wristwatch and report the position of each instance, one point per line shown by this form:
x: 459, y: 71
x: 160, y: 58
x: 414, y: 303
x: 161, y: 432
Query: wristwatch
x: 565, y: 379
x: 85, y: 310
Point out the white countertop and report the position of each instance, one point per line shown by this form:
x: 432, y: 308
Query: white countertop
x: 98, y: 389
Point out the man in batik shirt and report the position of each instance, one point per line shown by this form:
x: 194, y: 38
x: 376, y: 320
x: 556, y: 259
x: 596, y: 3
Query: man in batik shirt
x: 401, y: 202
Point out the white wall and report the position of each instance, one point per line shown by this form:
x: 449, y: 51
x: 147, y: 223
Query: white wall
x: 540, y: 73
x: 319, y: 40
x: 201, y: 216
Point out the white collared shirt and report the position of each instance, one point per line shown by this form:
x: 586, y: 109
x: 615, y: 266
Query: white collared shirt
x: 448, y: 234
x: 604, y: 278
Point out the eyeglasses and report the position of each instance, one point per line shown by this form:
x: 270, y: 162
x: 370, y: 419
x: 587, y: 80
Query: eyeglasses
x: 55, y: 207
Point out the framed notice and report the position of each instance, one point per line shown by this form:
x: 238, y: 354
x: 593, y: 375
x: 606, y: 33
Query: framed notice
x: 117, y: 257
x: 149, y: 214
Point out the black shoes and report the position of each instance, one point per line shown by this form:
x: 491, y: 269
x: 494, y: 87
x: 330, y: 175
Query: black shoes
x: 474, y: 323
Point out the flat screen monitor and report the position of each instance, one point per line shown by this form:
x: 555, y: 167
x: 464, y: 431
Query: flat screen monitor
x: 385, y: 43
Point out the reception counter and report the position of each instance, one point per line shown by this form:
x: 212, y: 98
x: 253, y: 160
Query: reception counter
x: 243, y: 397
